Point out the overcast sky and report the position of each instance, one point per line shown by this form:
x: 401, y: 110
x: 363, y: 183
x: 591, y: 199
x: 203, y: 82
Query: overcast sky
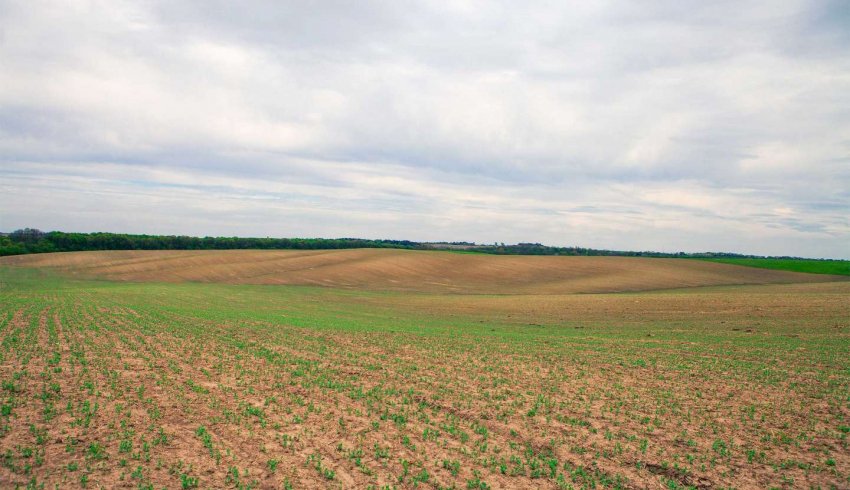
x: 670, y: 125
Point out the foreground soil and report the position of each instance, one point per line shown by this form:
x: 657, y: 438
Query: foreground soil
x: 407, y: 270
x: 219, y: 386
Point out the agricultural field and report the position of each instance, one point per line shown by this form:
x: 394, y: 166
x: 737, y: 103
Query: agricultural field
x: 397, y: 369
x: 835, y: 267
x: 408, y: 270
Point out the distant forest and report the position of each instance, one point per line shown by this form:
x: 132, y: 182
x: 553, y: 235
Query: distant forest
x: 30, y: 240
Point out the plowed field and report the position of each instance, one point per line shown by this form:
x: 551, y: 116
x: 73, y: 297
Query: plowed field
x: 408, y: 270
x: 382, y: 384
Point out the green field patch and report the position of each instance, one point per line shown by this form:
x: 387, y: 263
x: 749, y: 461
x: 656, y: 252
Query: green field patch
x: 811, y: 266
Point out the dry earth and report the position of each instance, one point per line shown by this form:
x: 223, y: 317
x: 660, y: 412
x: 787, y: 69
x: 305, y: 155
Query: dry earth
x: 392, y: 380
x: 408, y: 270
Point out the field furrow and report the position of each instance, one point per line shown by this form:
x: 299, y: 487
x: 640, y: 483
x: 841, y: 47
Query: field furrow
x: 192, y: 385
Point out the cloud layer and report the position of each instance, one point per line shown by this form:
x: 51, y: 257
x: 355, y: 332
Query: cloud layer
x: 665, y: 126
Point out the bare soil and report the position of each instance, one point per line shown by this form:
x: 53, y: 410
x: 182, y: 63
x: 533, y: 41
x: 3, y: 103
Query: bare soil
x: 407, y: 270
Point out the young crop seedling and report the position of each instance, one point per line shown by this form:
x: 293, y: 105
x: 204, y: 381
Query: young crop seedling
x: 198, y: 385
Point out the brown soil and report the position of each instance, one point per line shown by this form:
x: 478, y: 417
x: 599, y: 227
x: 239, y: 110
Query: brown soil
x: 751, y: 411
x: 405, y: 270
x: 711, y: 387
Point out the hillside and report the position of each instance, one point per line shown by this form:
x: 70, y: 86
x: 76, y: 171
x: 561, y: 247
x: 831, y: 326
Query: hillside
x: 408, y: 270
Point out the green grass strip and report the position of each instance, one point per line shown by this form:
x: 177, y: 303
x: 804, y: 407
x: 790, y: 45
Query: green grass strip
x: 836, y: 267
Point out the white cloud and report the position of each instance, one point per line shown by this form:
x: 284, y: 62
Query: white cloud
x: 715, y: 126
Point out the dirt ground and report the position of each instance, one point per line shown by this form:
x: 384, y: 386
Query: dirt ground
x: 408, y: 270
x: 219, y: 386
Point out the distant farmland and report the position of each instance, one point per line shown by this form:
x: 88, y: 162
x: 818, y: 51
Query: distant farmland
x: 834, y: 267
x: 408, y: 270
x: 392, y: 368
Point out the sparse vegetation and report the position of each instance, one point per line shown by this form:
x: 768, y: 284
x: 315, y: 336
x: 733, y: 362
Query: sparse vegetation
x: 154, y: 385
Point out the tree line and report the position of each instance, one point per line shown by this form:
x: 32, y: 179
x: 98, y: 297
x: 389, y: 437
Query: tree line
x: 30, y: 240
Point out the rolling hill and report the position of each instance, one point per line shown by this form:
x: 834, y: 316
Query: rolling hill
x: 408, y: 270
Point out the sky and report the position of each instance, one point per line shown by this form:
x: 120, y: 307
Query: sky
x: 657, y: 125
